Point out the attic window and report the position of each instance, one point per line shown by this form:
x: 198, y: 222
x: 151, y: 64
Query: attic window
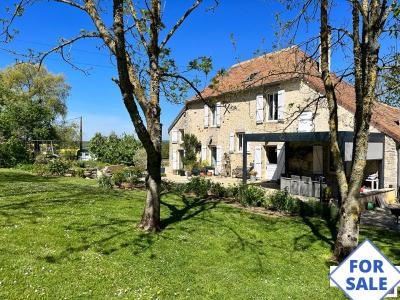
x: 252, y: 76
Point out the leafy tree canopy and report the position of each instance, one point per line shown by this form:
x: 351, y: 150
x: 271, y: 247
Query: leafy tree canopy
x: 31, y: 101
x: 115, y: 149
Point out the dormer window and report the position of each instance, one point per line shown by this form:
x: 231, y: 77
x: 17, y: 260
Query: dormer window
x: 252, y: 76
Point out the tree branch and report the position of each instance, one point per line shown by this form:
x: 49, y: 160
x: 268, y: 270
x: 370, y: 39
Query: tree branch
x: 179, y: 23
x: 178, y: 76
x: 14, y: 15
x: 108, y: 39
x: 137, y: 25
x: 66, y: 43
x: 71, y: 3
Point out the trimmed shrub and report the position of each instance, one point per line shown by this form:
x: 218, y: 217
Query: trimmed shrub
x: 199, y: 186
x: 283, y: 201
x: 250, y: 195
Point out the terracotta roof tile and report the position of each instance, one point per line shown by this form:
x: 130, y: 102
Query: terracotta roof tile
x: 293, y: 63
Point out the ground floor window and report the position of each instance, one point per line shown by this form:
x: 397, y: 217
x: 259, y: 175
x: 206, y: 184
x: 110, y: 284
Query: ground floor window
x: 240, y: 136
x: 213, y: 156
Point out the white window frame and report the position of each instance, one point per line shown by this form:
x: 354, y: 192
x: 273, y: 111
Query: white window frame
x: 213, y: 116
x: 205, y: 117
x: 180, y: 136
x: 174, y: 136
x: 274, y: 107
x: 239, y: 138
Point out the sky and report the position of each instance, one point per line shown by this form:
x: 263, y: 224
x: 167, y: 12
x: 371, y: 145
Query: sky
x: 204, y: 33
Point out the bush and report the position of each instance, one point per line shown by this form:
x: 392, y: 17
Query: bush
x: 232, y: 191
x: 119, y: 177
x: 105, y: 182
x: 283, y: 201
x: 316, y: 208
x: 79, y: 172
x: 13, y: 152
x: 140, y: 159
x: 58, y: 167
x: 41, y: 159
x: 218, y: 190
x: 250, y: 195
x: 199, y: 186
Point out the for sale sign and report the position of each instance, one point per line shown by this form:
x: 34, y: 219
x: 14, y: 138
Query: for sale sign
x: 366, y: 274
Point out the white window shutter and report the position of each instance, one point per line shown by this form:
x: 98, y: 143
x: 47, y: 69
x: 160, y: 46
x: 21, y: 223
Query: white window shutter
x: 280, y: 153
x: 305, y: 122
x: 218, y: 113
x: 203, y: 152
x: 205, y: 115
x: 232, y: 142
x: 180, y: 136
x: 219, y: 160
x: 174, y: 136
x: 281, y: 104
x: 257, y: 161
x: 174, y: 160
x: 260, y: 109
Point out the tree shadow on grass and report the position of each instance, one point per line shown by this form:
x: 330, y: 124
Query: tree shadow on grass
x: 191, y: 208
x: 323, y: 228
x: 118, y: 234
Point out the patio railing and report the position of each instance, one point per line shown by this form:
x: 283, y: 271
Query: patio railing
x: 303, y: 186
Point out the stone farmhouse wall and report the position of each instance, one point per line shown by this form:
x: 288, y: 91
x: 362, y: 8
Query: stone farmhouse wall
x: 238, y: 114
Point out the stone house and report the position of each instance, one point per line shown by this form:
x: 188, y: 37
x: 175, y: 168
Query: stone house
x: 272, y: 108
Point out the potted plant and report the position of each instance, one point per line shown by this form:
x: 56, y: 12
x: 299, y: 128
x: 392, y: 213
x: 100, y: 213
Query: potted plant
x: 196, y: 169
x: 191, y: 147
x: 188, y: 169
x: 253, y: 175
x: 203, y: 168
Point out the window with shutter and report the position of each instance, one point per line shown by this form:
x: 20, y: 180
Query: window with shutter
x: 205, y: 115
x: 232, y: 142
x: 203, y: 153
x: 259, y: 109
x: 240, y: 136
x: 174, y: 136
x: 305, y: 122
x: 218, y: 114
x: 273, y: 106
x: 281, y: 104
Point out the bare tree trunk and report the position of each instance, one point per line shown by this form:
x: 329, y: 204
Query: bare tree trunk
x: 151, y: 213
x: 349, y: 220
x: 366, y: 55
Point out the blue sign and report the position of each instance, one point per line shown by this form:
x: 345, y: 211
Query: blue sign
x: 366, y: 274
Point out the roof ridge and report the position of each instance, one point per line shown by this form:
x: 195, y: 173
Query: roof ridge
x: 262, y: 56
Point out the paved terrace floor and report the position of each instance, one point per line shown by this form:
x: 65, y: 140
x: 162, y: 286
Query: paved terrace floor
x: 225, y: 181
x: 379, y: 218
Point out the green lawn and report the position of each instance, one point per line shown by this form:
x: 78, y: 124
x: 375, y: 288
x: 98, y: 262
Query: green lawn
x: 63, y: 238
